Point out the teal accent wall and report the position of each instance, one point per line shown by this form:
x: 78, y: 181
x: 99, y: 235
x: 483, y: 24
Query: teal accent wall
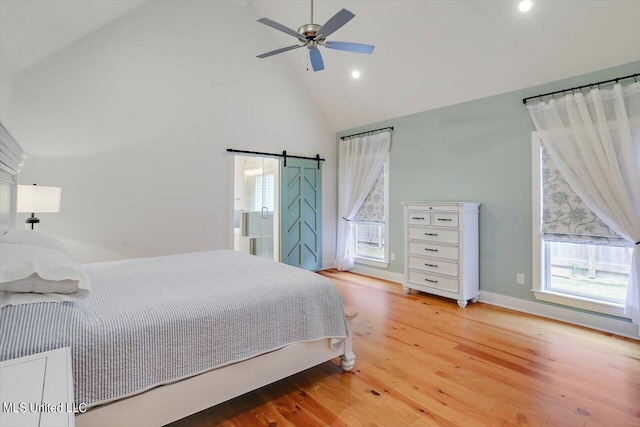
x: 475, y: 151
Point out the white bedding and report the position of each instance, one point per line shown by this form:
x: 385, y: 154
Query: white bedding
x: 156, y: 320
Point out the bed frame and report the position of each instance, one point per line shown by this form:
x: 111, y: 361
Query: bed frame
x: 168, y: 403
x: 171, y: 402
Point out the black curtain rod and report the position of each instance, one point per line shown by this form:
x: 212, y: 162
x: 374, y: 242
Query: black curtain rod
x: 284, y: 154
x: 369, y: 131
x: 631, y: 76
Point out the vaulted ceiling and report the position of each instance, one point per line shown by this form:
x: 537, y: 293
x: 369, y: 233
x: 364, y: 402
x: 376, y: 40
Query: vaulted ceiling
x: 428, y: 53
x: 31, y: 30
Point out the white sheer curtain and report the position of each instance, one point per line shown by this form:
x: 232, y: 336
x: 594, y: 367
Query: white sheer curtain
x: 594, y: 140
x: 361, y: 159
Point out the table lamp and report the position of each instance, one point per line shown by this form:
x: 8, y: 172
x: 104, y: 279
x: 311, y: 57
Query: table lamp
x: 37, y: 198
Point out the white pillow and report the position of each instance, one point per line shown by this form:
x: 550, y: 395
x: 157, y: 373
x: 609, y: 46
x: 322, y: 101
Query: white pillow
x: 37, y: 284
x: 34, y: 274
x: 18, y: 298
x: 33, y: 238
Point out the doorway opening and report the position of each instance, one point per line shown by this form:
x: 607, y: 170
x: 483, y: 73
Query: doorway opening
x: 256, y: 206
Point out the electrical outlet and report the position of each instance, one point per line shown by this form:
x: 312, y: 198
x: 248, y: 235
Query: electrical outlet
x: 520, y: 278
x: 393, y: 257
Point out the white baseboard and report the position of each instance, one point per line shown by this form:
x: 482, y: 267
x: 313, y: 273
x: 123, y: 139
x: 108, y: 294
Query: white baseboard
x: 593, y: 321
x: 378, y: 273
x: 365, y: 270
x: 327, y: 265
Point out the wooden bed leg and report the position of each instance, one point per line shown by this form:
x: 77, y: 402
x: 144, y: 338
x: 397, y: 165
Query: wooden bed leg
x: 347, y: 362
x: 348, y: 359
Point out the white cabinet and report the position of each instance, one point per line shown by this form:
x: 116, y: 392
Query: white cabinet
x: 37, y: 390
x: 441, y: 249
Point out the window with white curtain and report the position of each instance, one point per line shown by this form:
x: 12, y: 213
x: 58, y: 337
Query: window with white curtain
x: 579, y: 260
x: 370, y: 230
x: 361, y: 158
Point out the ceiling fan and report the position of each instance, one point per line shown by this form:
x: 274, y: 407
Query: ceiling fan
x: 313, y: 36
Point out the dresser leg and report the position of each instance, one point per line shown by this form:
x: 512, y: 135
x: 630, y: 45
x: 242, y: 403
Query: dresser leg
x: 406, y: 290
x: 475, y: 299
x: 462, y: 303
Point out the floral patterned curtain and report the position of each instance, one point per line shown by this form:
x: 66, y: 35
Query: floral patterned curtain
x: 372, y: 209
x: 565, y: 217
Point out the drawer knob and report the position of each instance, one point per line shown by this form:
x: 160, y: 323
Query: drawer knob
x: 444, y: 219
x: 430, y: 265
x: 430, y: 234
x: 432, y: 281
x: 417, y: 217
x: 429, y: 249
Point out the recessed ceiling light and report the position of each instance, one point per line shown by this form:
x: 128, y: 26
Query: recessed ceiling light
x: 525, y: 5
x: 355, y: 74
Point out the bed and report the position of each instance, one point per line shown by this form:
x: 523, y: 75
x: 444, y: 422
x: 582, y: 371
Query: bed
x: 162, y: 338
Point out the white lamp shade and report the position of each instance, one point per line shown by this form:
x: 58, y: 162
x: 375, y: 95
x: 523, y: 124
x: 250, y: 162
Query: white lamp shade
x: 38, y: 199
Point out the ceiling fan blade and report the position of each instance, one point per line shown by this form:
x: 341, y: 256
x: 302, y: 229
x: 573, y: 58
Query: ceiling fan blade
x: 334, y: 24
x: 280, y: 27
x: 350, y: 47
x: 277, y: 51
x: 316, y: 60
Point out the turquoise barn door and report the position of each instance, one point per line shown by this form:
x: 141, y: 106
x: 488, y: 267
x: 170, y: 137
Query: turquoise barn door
x: 301, y: 213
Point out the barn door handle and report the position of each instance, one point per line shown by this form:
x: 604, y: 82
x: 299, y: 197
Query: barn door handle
x: 265, y: 212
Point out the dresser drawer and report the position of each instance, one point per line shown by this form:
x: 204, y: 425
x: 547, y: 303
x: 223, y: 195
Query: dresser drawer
x: 433, y: 234
x: 433, y: 281
x: 419, y: 218
x: 434, y: 207
x: 444, y: 219
x: 433, y: 250
x: 434, y: 265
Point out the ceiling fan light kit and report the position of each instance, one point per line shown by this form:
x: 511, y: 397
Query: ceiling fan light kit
x: 312, y: 36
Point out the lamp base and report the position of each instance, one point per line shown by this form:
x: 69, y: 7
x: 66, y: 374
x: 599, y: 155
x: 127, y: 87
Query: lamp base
x: 32, y: 222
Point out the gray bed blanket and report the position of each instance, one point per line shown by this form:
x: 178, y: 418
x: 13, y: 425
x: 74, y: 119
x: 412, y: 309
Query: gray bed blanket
x: 156, y: 320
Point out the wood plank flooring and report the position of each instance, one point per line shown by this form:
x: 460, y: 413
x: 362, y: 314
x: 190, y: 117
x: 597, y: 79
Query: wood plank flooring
x: 422, y: 361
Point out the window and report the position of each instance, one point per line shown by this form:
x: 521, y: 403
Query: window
x: 590, y: 271
x: 370, y: 231
x: 577, y: 259
x: 264, y: 192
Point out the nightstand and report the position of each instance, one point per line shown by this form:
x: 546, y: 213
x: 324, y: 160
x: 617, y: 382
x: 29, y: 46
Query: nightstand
x: 37, y: 390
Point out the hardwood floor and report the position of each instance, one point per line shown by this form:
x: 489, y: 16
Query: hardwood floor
x: 422, y: 361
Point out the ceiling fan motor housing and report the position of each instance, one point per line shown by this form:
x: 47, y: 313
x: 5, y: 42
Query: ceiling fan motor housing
x: 309, y: 31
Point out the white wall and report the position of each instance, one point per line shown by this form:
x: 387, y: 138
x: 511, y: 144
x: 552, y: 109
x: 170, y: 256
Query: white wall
x: 6, y: 89
x: 133, y: 122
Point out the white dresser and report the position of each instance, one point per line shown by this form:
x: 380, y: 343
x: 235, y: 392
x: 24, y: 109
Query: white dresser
x: 441, y: 249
